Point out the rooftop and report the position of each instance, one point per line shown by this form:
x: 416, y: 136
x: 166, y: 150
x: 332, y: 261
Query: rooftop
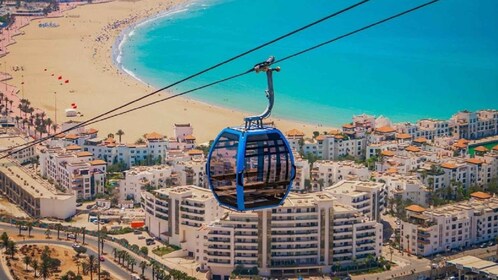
x: 415, y: 208
x: 385, y: 129
x: 480, y: 195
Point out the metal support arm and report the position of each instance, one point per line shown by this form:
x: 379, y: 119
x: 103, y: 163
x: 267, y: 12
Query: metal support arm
x: 257, y: 120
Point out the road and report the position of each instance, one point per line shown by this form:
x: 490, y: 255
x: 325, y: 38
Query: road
x: 90, y: 243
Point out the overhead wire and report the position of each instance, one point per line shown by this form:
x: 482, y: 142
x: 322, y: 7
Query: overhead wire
x: 96, y: 120
x: 332, y: 15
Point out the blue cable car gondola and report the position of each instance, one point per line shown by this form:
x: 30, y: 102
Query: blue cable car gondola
x: 252, y: 167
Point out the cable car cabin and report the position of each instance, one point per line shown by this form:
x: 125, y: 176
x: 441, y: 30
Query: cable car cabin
x: 250, y: 169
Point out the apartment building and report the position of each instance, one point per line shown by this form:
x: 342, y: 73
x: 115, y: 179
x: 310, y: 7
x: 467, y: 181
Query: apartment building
x: 367, y: 197
x: 333, y: 146
x: 327, y: 172
x: 429, y: 231
x: 152, y: 151
x: 302, y: 175
x: 138, y: 178
x: 23, y: 187
x: 183, y: 138
x: 12, y: 137
x: 175, y: 214
x: 427, y: 128
x: 404, y: 187
x: 307, y: 235
x: 475, y: 125
x: 73, y: 169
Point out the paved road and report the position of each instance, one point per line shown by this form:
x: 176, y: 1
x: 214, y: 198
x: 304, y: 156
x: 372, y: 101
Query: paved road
x: 90, y: 241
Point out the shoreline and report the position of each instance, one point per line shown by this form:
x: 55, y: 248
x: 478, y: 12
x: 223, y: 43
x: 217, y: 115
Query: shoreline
x: 95, y: 82
x: 124, y: 35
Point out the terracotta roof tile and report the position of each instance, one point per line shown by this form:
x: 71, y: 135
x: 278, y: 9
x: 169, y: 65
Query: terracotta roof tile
x: 481, y: 149
x: 474, y: 161
x: 403, y: 136
x: 449, y: 165
x: 415, y: 208
x: 194, y: 152
x: 98, y: 162
x: 387, y: 153
x: 412, y: 149
x: 190, y: 137
x: 73, y: 148
x: 72, y: 136
x: 348, y: 125
x: 294, y: 133
x: 385, y: 129
x: 480, y: 195
x: 84, y: 154
x: 154, y: 136
x: 420, y: 140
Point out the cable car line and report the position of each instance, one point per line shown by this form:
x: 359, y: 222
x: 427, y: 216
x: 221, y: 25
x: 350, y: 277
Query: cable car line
x: 99, y: 117
x: 332, y: 15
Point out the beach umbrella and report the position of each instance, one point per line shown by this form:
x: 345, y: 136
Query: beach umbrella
x: 52, y: 74
x: 60, y: 78
x: 67, y: 81
x: 45, y: 69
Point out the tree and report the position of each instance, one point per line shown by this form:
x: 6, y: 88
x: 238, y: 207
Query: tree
x: 120, y: 133
x: 11, y: 249
x: 143, y: 265
x: 27, y: 261
x: 91, y: 264
x: 115, y: 251
x: 144, y: 250
x: 59, y: 226
x: 132, y: 262
x: 30, y: 228
x: 44, y: 269
x: 20, y: 226
x: 80, y: 250
x: 5, y: 239
x: 83, y: 231
x: 34, y: 265
x: 47, y: 233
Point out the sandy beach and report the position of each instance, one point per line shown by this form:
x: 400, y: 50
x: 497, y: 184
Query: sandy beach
x: 80, y: 50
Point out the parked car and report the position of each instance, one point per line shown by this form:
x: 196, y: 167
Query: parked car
x: 79, y: 204
x: 137, y: 232
x: 141, y: 237
x: 75, y: 245
x: 102, y: 259
x: 71, y: 236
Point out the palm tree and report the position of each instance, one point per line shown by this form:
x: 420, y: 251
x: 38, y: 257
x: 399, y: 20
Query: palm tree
x: 391, y: 251
x: 34, y: 265
x: 11, y: 249
x: 115, y: 251
x: 30, y: 228
x: 59, y: 226
x: 143, y: 265
x: 153, y: 265
x: 91, y: 263
x: 120, y: 133
x: 11, y: 102
x: 47, y: 233
x: 54, y: 127
x: 83, y: 231
x: 20, y: 225
x: 48, y: 122
x: 27, y: 261
x: 132, y: 262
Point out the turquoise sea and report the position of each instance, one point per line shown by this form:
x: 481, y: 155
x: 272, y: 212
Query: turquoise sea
x: 428, y: 64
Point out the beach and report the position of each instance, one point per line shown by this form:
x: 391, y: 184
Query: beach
x: 72, y: 63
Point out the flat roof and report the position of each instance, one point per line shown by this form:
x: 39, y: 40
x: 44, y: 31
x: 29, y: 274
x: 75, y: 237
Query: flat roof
x: 31, y: 183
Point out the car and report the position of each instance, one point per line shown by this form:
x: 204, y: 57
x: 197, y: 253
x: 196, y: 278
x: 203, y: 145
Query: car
x: 71, y: 236
x: 141, y: 237
x: 24, y: 227
x: 434, y: 265
x: 491, y: 243
x: 483, y: 245
x: 90, y: 206
x: 102, y: 259
x: 79, y: 204
x: 137, y: 232
x: 75, y: 245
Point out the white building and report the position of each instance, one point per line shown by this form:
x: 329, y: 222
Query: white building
x: 34, y: 195
x: 11, y: 137
x: 455, y: 226
x: 73, y: 169
x: 405, y: 187
x: 331, y: 172
x: 474, y: 125
x: 138, y: 178
x: 309, y: 234
x: 175, y: 214
x: 367, y: 197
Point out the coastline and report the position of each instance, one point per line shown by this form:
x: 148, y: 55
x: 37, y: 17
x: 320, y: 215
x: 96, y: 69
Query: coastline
x: 97, y: 85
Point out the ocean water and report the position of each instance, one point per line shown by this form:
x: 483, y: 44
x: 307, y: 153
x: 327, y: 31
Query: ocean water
x: 428, y: 64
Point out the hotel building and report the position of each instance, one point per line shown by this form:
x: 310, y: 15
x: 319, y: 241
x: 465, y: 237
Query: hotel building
x: 429, y: 231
